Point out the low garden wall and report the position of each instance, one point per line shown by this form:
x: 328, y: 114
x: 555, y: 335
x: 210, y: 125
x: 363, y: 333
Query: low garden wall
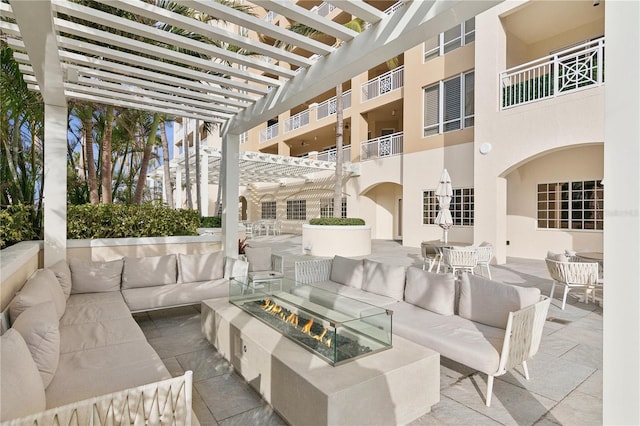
x: 328, y: 241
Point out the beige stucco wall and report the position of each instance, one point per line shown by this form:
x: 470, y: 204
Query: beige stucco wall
x: 17, y: 263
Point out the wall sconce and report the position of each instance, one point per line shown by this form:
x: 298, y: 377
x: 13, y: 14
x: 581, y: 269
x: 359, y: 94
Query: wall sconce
x: 393, y: 112
x: 485, y: 148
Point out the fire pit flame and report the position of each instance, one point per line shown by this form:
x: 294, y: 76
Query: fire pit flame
x: 307, y: 327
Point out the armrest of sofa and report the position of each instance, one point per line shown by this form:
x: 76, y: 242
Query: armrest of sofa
x: 235, y: 268
x: 312, y: 271
x: 167, y: 401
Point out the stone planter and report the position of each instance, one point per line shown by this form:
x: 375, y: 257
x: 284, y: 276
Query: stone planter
x: 328, y: 241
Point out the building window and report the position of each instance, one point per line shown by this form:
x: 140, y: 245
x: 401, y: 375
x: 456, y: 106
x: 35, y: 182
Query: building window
x: 571, y: 205
x: 451, y: 39
x: 244, y: 137
x: 448, y: 104
x: 461, y: 207
x: 326, y: 207
x: 268, y: 210
x: 296, y: 209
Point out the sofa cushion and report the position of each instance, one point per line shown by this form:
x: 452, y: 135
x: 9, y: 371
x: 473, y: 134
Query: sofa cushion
x: 39, y: 328
x: 143, y: 299
x: 21, y: 388
x: 259, y: 258
x: 95, y: 277
x: 149, y: 271
x: 431, y: 291
x: 41, y: 287
x: 200, y: 267
x: 347, y: 271
x: 489, y: 302
x: 63, y: 274
x: 383, y: 279
x: 559, y: 257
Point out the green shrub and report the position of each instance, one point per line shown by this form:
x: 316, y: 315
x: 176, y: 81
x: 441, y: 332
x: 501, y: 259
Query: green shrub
x: 337, y: 221
x: 16, y: 224
x: 211, y: 222
x: 129, y: 221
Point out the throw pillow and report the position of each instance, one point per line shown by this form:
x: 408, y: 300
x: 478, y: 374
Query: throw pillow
x: 39, y: 288
x: 39, y: 328
x: 63, y: 274
x: 347, y: 271
x: 385, y: 280
x: 559, y: 257
x: 431, y: 291
x: 95, y: 277
x: 21, y: 388
x: 259, y: 258
x: 200, y: 267
x: 489, y: 302
x: 149, y: 271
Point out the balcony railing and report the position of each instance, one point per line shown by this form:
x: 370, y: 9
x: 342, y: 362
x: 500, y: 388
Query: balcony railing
x: 384, y: 146
x: 328, y: 107
x: 330, y: 154
x: 323, y: 9
x: 382, y: 84
x: 269, y: 133
x: 297, y: 121
x: 576, y: 68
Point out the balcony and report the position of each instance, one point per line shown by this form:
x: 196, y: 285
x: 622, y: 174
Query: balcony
x: 297, y: 121
x: 323, y: 9
x: 382, y: 84
x: 269, y: 133
x: 576, y: 68
x: 330, y: 154
x: 384, y: 146
x: 328, y: 107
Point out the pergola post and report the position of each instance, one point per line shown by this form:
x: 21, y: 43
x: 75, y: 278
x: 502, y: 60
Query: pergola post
x: 178, y: 193
x: 204, y: 183
x: 230, y: 181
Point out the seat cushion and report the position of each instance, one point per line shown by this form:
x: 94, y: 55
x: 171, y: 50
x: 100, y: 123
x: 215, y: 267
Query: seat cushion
x: 38, y: 325
x: 200, y: 267
x: 489, y: 302
x: 149, y: 271
x: 41, y: 287
x: 63, y: 274
x: 141, y: 299
x: 383, y: 279
x: 428, y: 290
x: 259, y: 258
x: 95, y: 276
x: 21, y: 388
x: 347, y: 271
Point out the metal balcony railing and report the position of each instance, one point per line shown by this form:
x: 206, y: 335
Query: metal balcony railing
x: 382, y: 84
x: 330, y: 154
x: 576, y: 68
x: 269, y: 133
x: 384, y: 146
x: 328, y: 107
x: 323, y: 9
x: 297, y: 121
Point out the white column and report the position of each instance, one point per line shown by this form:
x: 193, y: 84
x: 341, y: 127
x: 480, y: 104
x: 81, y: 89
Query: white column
x: 204, y: 183
x: 621, y: 341
x: 178, y: 193
x: 55, y: 183
x: 230, y: 193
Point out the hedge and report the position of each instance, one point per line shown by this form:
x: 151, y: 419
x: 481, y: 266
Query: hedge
x: 337, y: 221
x: 16, y: 224
x: 129, y: 221
x: 211, y: 222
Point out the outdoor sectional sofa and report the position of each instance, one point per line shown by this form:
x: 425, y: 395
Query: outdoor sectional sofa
x: 74, y: 348
x: 486, y: 325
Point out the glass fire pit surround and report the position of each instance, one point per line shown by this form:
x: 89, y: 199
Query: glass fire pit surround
x: 334, y: 327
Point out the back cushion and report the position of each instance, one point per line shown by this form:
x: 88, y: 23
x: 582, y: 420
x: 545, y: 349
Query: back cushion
x: 200, y: 267
x: 489, y: 302
x: 560, y: 257
x: 385, y: 280
x: 95, y: 277
x: 41, y: 287
x: 431, y: 291
x: 347, y: 271
x: 149, y: 271
x: 63, y: 274
x: 21, y: 388
x: 39, y: 328
x: 259, y: 258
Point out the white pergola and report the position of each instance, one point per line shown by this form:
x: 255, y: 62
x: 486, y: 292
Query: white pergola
x: 69, y: 51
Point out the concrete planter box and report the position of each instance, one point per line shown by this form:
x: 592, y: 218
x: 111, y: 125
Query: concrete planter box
x: 321, y: 240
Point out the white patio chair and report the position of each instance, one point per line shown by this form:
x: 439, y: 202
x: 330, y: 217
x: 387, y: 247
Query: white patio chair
x: 485, y: 252
x: 460, y: 259
x: 571, y: 275
x: 277, y: 227
x: 431, y: 255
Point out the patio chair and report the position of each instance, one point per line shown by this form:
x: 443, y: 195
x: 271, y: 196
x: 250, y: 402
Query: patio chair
x: 262, y: 263
x: 572, y: 275
x: 431, y: 255
x: 464, y: 259
x: 485, y: 252
x: 277, y: 227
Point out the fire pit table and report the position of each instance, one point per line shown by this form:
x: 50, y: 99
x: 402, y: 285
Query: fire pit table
x: 319, y: 364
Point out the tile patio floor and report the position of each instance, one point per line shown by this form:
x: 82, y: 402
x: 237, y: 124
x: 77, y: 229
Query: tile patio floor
x: 566, y: 374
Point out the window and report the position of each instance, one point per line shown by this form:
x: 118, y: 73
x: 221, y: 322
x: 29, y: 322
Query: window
x: 296, y: 209
x: 268, y: 210
x: 449, y: 105
x: 451, y: 39
x: 571, y: 205
x: 244, y: 137
x: 326, y: 207
x: 461, y: 207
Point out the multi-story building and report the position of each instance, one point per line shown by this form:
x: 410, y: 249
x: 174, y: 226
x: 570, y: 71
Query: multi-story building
x: 511, y: 103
